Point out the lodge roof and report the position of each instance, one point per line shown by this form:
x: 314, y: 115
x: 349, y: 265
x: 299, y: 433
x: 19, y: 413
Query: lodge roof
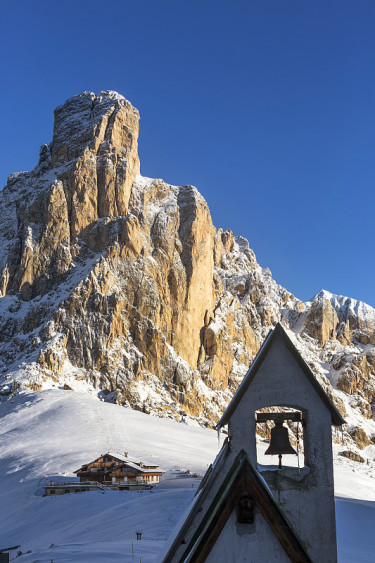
x: 278, y: 331
x: 135, y: 467
x: 125, y: 460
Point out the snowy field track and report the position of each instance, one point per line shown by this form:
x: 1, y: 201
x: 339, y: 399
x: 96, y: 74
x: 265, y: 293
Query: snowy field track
x: 50, y: 434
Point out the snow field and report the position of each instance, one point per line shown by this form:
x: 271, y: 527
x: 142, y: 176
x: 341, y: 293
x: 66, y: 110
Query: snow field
x: 50, y: 434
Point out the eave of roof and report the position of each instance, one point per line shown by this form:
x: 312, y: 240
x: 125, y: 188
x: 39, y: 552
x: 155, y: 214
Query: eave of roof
x: 201, y: 493
x: 224, y: 501
x: 337, y: 419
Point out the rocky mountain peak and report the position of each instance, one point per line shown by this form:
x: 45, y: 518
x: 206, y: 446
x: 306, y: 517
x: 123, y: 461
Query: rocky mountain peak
x: 121, y: 284
x: 342, y: 301
x: 89, y: 121
x: 85, y: 174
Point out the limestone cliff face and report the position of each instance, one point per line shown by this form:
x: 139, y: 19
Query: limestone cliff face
x: 86, y: 173
x: 121, y: 283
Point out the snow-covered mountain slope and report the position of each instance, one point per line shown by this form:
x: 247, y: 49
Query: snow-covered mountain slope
x: 120, y: 285
x: 48, y: 435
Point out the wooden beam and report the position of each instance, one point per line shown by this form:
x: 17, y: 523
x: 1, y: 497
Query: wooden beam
x: 279, y: 416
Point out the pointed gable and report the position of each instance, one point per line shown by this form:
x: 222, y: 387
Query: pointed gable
x: 274, y: 335
x: 205, y: 535
x: 114, y: 458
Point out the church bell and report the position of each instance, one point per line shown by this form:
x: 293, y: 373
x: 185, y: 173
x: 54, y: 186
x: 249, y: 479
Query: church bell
x: 279, y: 443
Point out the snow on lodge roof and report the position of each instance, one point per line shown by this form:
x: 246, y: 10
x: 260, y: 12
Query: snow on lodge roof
x: 145, y: 466
x: 141, y: 467
x: 120, y: 457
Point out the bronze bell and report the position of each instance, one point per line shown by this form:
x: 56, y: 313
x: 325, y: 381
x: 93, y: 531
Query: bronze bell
x: 279, y: 443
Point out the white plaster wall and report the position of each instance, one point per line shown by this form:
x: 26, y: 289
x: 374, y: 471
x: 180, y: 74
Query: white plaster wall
x: 258, y: 546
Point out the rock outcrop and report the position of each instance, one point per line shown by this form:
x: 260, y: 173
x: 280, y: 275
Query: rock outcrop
x: 85, y: 174
x: 122, y: 283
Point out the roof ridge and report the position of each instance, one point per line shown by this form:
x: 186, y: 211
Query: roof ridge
x: 336, y: 417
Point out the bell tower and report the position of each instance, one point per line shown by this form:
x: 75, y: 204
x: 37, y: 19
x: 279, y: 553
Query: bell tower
x: 279, y: 377
x: 245, y: 509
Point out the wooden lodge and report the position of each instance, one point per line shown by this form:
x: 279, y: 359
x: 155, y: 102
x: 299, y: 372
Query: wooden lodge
x: 110, y: 471
x: 111, y: 468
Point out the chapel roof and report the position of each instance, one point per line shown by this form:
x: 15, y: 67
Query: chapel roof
x: 241, y: 476
x: 278, y: 331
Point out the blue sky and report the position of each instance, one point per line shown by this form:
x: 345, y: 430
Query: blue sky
x: 266, y: 106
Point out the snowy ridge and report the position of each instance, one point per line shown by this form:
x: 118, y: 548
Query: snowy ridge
x: 346, y: 306
x: 243, y: 270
